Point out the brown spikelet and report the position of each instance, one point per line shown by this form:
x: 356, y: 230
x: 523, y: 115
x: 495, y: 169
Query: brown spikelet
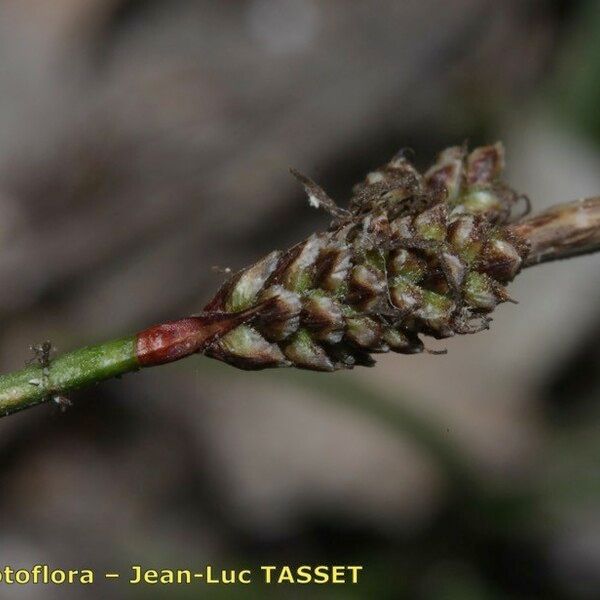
x: 413, y: 255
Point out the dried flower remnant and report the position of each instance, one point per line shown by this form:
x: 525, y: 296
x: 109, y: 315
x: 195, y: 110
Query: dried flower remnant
x: 415, y: 254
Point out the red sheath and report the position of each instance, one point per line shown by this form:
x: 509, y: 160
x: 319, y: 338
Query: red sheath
x: 173, y: 340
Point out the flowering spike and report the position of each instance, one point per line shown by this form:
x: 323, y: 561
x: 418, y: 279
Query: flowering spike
x: 415, y: 254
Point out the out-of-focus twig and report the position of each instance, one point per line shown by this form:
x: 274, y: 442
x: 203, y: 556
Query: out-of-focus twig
x: 562, y: 231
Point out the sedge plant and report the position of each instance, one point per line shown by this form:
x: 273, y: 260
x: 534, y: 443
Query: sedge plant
x: 412, y: 255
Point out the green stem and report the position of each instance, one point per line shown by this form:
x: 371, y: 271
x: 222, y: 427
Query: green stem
x: 50, y: 379
x: 35, y: 383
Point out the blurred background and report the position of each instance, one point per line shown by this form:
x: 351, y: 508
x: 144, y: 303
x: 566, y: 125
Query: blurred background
x: 143, y: 142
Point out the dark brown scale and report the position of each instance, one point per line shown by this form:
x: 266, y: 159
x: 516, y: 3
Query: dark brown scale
x: 323, y: 315
x: 366, y: 288
x: 332, y: 267
x: 283, y: 318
